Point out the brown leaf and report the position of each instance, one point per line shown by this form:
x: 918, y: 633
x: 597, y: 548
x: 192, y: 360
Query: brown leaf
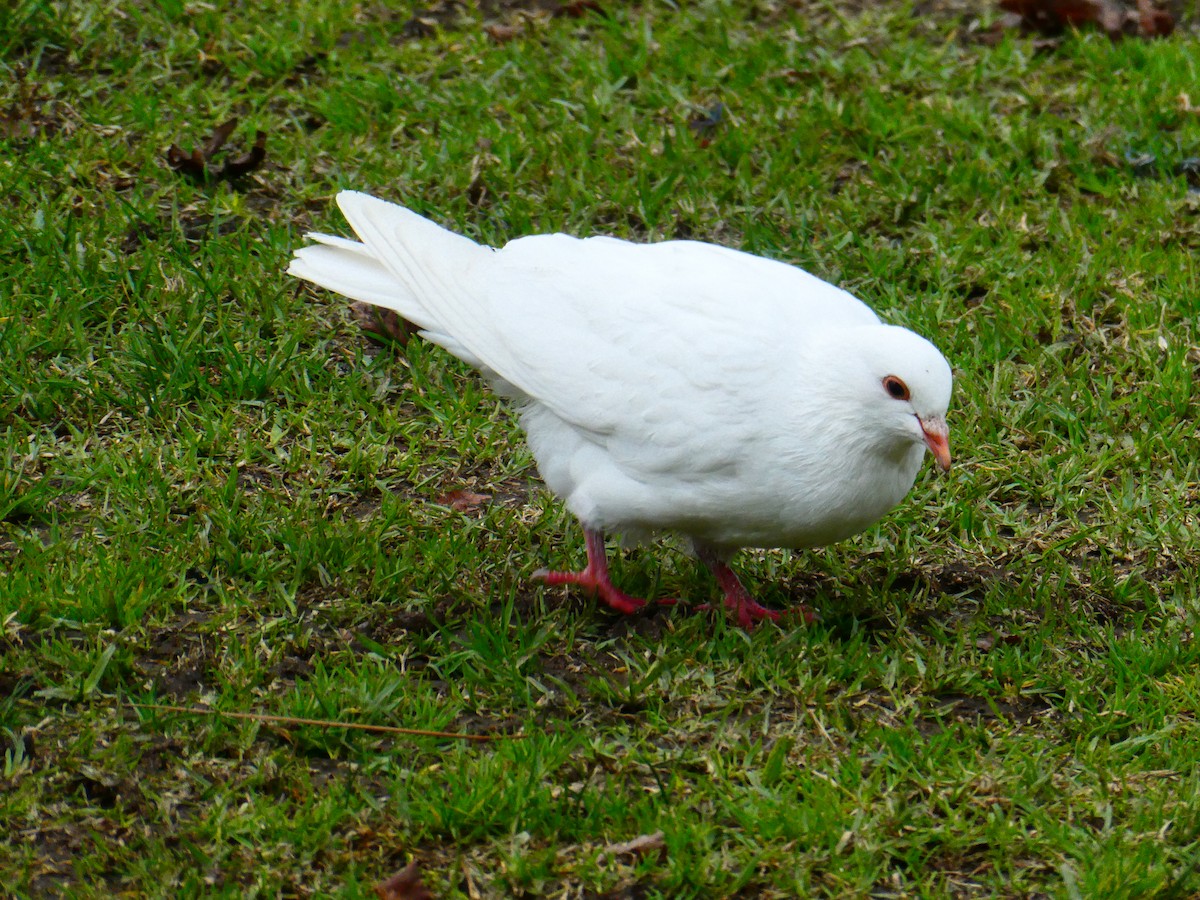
x: 1154, y: 21
x: 404, y: 885
x: 640, y: 846
x: 1052, y: 16
x: 463, y: 500
x: 579, y: 9
x: 30, y: 112
x: 247, y: 163
x: 502, y: 34
x: 189, y: 164
x: 1115, y: 18
x: 791, y: 76
x: 477, y: 190
x: 219, y: 136
x: 989, y: 641
x: 195, y: 165
x: 418, y: 27
x: 382, y: 325
x: 14, y: 125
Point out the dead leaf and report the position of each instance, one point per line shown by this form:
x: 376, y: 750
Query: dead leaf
x: 640, y: 846
x: 1154, y: 20
x: 219, y: 136
x: 248, y: 162
x: 579, y: 9
x: 27, y: 115
x: 1184, y: 102
x: 418, y: 27
x: 404, y: 885
x: 502, y: 34
x: 477, y: 189
x: 189, y: 164
x: 791, y: 76
x: 1143, y: 18
x: 382, y: 325
x: 196, y: 165
x: 462, y: 500
x: 472, y: 890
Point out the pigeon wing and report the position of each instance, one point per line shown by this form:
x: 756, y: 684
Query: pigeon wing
x: 654, y: 350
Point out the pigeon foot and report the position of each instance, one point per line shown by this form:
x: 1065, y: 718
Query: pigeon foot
x: 601, y: 586
x: 748, y: 611
x: 595, y: 578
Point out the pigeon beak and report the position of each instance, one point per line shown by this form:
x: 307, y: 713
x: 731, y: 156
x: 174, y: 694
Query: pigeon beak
x: 937, y: 439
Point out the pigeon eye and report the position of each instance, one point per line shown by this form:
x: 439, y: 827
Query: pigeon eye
x: 896, y: 388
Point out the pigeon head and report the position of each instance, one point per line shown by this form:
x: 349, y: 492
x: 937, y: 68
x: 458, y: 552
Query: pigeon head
x: 900, y: 384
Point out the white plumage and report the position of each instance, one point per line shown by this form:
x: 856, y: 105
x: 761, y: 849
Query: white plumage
x: 677, y: 386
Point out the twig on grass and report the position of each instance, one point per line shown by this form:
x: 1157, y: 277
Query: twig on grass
x: 325, y: 723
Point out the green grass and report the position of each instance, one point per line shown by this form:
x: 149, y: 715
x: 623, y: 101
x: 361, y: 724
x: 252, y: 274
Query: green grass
x: 215, y: 492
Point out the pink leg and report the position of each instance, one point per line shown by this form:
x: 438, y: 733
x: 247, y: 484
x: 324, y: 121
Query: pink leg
x: 745, y: 608
x: 595, y: 578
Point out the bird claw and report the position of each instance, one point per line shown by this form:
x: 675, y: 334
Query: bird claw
x: 601, y: 587
x: 748, y: 614
x: 748, y: 618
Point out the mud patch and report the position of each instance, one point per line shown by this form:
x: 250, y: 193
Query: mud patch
x: 977, y: 710
x: 963, y: 580
x: 31, y: 113
x: 651, y: 623
x: 389, y: 626
x: 179, y: 656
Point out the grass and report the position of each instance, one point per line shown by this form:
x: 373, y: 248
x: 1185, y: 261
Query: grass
x: 215, y: 492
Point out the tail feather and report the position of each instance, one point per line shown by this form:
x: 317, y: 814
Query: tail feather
x: 404, y: 263
x: 348, y: 269
x: 425, y: 258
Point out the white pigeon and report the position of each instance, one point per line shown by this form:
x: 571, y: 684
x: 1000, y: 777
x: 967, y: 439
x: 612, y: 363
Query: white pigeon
x: 670, y: 387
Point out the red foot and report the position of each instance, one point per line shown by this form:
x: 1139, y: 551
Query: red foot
x: 595, y: 578
x: 604, y: 589
x: 748, y: 611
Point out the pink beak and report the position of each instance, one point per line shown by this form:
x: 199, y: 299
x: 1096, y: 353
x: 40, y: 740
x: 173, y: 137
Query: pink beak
x: 937, y: 439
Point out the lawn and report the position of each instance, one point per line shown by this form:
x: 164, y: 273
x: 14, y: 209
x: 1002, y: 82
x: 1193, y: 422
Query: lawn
x: 217, y: 493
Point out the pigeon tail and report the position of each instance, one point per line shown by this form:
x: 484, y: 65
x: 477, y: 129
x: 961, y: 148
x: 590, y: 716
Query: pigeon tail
x: 405, y: 263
